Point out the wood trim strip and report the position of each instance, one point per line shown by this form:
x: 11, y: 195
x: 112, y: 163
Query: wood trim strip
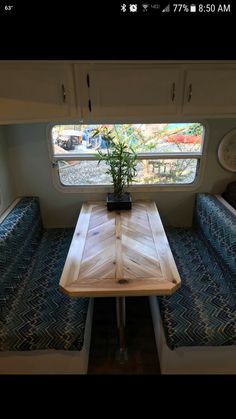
x: 151, y: 287
x: 226, y: 204
x: 71, y: 269
x: 168, y: 265
x: 9, y: 209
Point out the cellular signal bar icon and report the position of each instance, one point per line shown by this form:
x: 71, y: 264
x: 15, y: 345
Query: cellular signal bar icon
x: 166, y: 9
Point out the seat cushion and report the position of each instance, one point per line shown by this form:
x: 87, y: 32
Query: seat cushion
x: 203, y: 310
x: 42, y: 317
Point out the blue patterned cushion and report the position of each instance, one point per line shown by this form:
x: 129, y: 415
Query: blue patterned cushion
x: 218, y: 225
x: 42, y: 317
x: 203, y: 310
x: 19, y: 228
x: 20, y: 235
x: 34, y: 313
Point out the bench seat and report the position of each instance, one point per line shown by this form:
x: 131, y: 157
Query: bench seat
x: 34, y: 314
x: 203, y: 310
x: 195, y: 328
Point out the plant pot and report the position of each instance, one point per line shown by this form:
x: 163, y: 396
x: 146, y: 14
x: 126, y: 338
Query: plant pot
x: 123, y: 203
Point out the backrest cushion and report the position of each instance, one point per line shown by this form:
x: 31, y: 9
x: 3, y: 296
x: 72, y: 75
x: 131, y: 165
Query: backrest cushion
x: 218, y: 226
x: 20, y: 235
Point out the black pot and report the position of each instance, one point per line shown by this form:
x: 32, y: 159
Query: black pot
x: 123, y: 203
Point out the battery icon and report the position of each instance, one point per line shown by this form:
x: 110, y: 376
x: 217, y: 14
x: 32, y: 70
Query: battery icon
x: 192, y: 7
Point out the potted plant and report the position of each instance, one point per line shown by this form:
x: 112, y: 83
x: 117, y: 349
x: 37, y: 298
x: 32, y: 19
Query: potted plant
x: 121, y: 161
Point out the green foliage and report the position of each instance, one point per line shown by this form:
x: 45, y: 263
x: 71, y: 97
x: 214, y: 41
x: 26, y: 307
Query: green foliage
x: 195, y: 129
x: 121, y: 159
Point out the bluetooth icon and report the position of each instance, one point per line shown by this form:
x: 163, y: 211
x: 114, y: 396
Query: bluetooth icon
x: 123, y: 7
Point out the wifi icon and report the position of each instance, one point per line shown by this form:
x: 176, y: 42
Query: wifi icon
x: 145, y: 7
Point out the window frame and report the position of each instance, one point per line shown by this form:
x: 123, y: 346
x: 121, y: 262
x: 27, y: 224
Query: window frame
x: 99, y: 189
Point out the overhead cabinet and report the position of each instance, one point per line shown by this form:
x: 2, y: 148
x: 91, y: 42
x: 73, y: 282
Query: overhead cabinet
x: 119, y: 92
x: 36, y: 91
x: 115, y: 91
x: 210, y: 92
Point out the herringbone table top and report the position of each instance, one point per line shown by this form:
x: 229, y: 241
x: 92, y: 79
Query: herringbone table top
x: 119, y: 253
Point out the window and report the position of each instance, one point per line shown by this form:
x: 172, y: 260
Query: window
x: 168, y: 153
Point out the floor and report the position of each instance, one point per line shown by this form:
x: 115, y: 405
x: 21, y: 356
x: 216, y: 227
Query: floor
x: 140, y: 340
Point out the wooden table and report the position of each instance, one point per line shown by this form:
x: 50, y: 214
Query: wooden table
x: 118, y: 254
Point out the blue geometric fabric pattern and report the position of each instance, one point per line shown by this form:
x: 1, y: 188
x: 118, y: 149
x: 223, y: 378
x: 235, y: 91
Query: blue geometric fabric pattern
x: 202, y: 312
x: 218, y: 226
x: 37, y: 315
x: 20, y: 235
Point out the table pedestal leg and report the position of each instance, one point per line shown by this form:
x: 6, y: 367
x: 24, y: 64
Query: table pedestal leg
x: 120, y: 315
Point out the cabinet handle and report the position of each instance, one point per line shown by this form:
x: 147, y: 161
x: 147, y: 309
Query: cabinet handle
x: 173, y: 92
x: 89, y: 105
x: 189, y: 92
x: 88, y: 80
x: 63, y: 92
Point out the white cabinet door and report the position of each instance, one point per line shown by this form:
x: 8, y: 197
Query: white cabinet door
x: 36, y: 91
x: 116, y: 92
x: 210, y: 92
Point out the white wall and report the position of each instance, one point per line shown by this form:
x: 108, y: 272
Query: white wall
x: 30, y: 165
x: 7, y: 193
